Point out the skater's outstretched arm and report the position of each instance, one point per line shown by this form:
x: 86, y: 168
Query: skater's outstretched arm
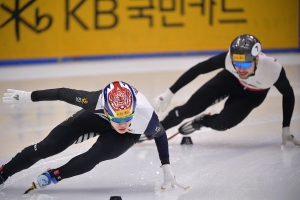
x: 86, y: 100
x: 216, y: 62
x: 288, y: 102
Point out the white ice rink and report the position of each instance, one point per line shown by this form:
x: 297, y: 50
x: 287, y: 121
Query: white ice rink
x: 245, y: 162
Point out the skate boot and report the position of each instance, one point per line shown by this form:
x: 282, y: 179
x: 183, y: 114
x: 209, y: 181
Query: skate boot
x: 191, y: 126
x: 45, y: 179
x: 2, y: 177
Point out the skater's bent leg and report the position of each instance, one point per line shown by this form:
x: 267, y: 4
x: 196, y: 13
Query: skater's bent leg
x: 198, y: 102
x: 177, y: 115
x: 23, y: 160
x: 108, y: 146
x: 234, y: 112
x: 32, y: 154
x: 212, y: 91
x: 195, y: 105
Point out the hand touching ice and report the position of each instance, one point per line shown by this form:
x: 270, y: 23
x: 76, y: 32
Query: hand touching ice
x: 169, y: 178
x: 287, y: 136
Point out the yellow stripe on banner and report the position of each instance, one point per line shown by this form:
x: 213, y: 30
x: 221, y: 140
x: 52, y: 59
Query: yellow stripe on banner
x: 63, y: 28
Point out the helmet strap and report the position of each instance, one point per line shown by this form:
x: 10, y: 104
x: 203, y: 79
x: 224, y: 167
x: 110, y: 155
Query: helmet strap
x: 105, y: 112
x: 255, y: 68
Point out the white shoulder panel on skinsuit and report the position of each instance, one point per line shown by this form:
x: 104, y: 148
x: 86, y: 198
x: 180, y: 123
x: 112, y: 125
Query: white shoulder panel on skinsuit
x: 143, y: 114
x: 99, y: 103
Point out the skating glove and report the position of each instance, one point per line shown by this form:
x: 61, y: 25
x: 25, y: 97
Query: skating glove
x: 16, y: 97
x: 162, y: 101
x: 169, y: 178
x: 288, y: 137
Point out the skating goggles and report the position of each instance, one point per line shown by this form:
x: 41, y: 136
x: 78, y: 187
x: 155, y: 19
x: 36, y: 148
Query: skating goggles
x: 119, y: 120
x: 244, y: 65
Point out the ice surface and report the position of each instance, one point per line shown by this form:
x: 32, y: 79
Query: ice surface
x: 245, y: 162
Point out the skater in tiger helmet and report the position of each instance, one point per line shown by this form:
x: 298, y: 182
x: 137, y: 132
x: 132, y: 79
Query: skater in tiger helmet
x: 117, y: 115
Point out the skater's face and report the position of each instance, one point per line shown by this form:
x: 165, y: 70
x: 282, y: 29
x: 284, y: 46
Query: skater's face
x: 121, y: 125
x: 244, y: 71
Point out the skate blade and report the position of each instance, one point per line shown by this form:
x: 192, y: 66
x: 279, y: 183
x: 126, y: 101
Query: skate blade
x: 30, y: 189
